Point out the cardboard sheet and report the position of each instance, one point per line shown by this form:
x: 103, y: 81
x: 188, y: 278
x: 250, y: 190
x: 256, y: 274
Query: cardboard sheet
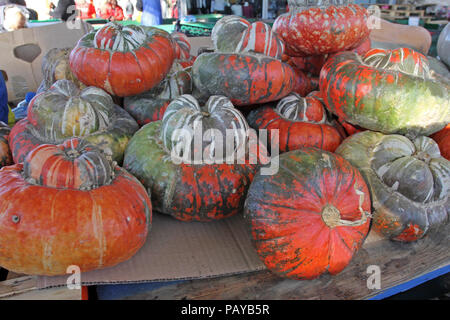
x: 178, y: 250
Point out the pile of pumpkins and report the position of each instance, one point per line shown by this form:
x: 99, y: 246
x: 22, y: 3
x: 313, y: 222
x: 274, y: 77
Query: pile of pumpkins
x: 94, y: 158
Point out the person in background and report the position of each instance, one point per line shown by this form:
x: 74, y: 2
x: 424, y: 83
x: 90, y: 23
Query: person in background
x: 151, y: 12
x: 112, y: 11
x: 12, y: 18
x: 64, y: 9
x: 219, y: 6
x: 4, y: 109
x: 129, y: 10
x: 86, y: 9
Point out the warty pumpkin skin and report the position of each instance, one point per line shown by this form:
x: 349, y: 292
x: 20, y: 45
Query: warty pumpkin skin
x: 55, y: 66
x: 186, y: 190
x: 245, y: 78
x: 320, y: 27
x: 123, y: 60
x: 310, y: 217
x: 389, y: 91
x: 301, y: 122
x: 442, y: 138
x: 5, y: 152
x: 69, y: 205
x: 408, y: 179
x: 63, y: 112
x: 151, y: 105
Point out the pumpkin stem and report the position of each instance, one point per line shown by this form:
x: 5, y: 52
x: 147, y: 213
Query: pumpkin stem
x: 331, y: 216
x: 424, y: 156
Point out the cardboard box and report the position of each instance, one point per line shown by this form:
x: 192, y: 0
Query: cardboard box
x: 22, y: 52
x: 177, y: 250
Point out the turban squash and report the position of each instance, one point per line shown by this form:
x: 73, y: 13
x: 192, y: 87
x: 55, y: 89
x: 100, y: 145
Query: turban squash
x: 69, y: 205
x: 5, y: 152
x: 311, y: 216
x: 182, y: 49
x: 409, y: 182
x: 183, y: 185
x: 63, y: 112
x: 151, y: 105
x: 301, y: 122
x: 226, y: 32
x: 55, y: 66
x: 315, y: 27
x: 123, y: 60
x: 256, y: 37
x: 390, y: 91
x: 245, y: 78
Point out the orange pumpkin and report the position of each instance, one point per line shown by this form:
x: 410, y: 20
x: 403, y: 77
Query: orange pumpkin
x: 123, y: 60
x: 69, y: 205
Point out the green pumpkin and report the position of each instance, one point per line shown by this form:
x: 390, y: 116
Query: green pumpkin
x: 409, y: 182
x: 64, y: 111
x: 180, y: 185
x: 391, y: 91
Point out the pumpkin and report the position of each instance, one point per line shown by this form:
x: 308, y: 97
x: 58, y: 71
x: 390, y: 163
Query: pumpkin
x: 123, y: 60
x: 442, y: 138
x: 349, y: 128
x: 226, y: 31
x: 182, y: 49
x: 69, y: 205
x: 310, y: 64
x: 304, y: 84
x: 193, y: 181
x: 409, y: 182
x: 245, y: 78
x: 55, y: 66
x: 315, y: 27
x: 390, y: 91
x: 301, y: 122
x: 443, y: 45
x: 363, y: 47
x: 151, y: 105
x: 63, y: 112
x: 311, y: 216
x: 5, y: 152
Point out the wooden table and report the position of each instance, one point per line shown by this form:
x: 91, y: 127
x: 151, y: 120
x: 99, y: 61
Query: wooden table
x: 402, y: 266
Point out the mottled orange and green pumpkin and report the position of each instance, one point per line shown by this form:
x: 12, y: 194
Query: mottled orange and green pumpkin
x: 409, y: 182
x: 310, y: 217
x: 182, y: 49
x: 301, y: 122
x: 123, y: 60
x: 192, y: 182
x: 226, y: 32
x: 316, y: 27
x: 245, y: 78
x: 391, y: 91
x: 64, y: 111
x: 70, y: 205
x: 5, y: 152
